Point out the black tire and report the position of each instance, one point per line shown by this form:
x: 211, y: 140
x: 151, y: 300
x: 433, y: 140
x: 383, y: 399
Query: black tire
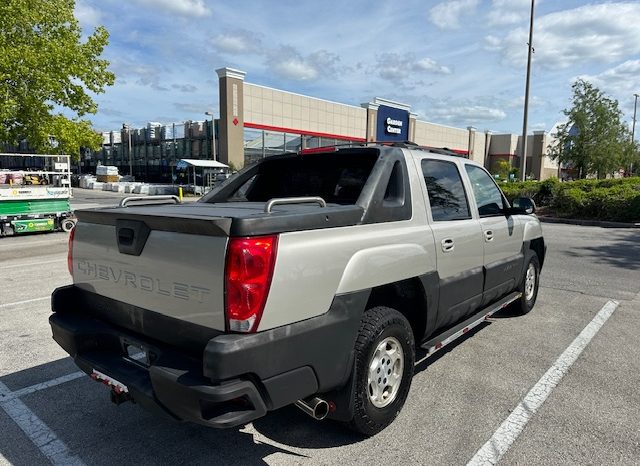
x: 525, y: 304
x: 380, y: 324
x: 67, y: 224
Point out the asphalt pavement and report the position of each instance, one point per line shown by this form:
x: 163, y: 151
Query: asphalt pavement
x: 90, y: 198
x: 458, y: 400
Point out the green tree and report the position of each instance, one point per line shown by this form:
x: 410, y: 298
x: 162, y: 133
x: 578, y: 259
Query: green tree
x: 502, y: 168
x: 595, y: 139
x: 46, y: 68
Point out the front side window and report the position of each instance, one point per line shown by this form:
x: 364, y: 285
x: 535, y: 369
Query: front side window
x: 446, y: 193
x: 488, y: 197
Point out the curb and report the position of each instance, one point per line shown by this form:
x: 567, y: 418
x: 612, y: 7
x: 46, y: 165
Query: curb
x: 588, y: 223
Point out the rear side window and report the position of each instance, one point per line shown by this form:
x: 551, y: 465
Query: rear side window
x: 446, y: 193
x: 488, y: 197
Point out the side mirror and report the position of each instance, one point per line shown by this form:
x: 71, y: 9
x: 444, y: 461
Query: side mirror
x: 523, y: 205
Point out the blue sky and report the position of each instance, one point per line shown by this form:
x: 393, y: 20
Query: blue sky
x: 456, y: 62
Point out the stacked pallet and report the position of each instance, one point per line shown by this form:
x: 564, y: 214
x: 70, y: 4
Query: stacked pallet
x: 107, y: 174
x: 108, y: 178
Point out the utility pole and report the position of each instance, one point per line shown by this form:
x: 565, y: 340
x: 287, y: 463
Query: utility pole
x: 523, y: 163
x: 633, y: 129
x: 213, y: 135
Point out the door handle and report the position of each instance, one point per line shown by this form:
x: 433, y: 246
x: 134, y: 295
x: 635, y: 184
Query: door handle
x: 488, y: 235
x: 447, y: 244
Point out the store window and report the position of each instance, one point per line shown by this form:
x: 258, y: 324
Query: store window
x: 261, y: 143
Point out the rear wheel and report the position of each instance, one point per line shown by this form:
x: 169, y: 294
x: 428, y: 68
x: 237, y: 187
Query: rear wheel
x: 529, y: 285
x: 384, y: 360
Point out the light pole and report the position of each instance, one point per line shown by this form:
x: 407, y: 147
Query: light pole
x: 126, y: 127
x: 213, y: 134
x: 523, y: 164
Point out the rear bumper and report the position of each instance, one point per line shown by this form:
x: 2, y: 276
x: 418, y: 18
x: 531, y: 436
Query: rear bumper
x: 229, y: 380
x: 170, y: 386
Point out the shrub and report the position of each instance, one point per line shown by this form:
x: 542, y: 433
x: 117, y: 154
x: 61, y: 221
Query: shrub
x: 613, y: 200
x: 569, y: 202
x: 610, y: 199
x: 521, y: 189
x: 548, y: 189
x: 540, y: 192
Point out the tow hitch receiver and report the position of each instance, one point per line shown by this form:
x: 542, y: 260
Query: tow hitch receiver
x: 119, y: 398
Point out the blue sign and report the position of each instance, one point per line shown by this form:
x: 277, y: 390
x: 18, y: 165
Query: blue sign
x: 393, y: 124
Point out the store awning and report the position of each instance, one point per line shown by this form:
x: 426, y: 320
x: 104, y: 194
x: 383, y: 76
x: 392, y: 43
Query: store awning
x: 184, y: 163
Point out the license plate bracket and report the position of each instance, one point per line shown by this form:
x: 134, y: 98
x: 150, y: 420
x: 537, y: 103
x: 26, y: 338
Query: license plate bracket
x: 115, y: 385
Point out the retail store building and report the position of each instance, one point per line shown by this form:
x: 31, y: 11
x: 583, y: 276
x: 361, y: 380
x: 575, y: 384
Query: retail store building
x: 256, y: 121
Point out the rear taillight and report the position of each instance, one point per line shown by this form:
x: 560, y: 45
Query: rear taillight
x: 248, y: 273
x: 72, y: 233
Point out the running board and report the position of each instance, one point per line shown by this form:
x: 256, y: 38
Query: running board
x: 436, y: 343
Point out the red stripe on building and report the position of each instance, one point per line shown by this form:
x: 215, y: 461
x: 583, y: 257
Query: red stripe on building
x: 303, y: 133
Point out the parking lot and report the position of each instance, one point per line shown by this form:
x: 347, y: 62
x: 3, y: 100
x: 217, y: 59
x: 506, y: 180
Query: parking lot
x: 458, y: 401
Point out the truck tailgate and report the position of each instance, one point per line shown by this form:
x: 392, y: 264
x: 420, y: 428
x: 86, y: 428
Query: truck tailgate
x: 155, y: 259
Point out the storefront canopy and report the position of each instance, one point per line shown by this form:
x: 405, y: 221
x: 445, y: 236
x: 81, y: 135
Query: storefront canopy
x: 184, y: 163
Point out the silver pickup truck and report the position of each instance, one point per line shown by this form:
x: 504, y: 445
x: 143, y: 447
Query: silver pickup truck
x: 306, y: 278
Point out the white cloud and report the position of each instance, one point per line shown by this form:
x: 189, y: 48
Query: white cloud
x: 141, y: 74
x: 446, y: 15
x: 623, y: 79
x: 518, y: 102
x: 465, y: 114
x: 492, y: 43
x: 197, y: 108
x: 186, y: 88
x: 238, y: 42
x: 428, y: 64
x: 290, y: 64
x: 295, y: 68
x: 504, y: 12
x: 399, y: 67
x: 194, y: 8
x: 605, y: 32
x: 88, y: 16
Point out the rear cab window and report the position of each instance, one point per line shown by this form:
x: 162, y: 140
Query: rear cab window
x: 338, y: 178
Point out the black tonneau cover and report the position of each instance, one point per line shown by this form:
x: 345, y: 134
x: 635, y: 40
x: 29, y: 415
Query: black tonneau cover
x: 229, y: 218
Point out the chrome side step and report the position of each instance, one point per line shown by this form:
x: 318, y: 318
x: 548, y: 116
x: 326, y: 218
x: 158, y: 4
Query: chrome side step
x: 438, y: 342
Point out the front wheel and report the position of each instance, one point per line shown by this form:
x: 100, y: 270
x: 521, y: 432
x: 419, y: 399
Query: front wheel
x: 529, y: 286
x: 383, y: 369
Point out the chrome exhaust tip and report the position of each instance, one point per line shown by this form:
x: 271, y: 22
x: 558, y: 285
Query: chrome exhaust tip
x: 315, y: 407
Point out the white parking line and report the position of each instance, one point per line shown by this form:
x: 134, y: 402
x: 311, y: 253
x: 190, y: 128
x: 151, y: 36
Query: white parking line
x: 17, y: 303
x: 30, y: 264
x: 45, y: 385
x: 14, y: 244
x: 38, y: 432
x: 510, y: 429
